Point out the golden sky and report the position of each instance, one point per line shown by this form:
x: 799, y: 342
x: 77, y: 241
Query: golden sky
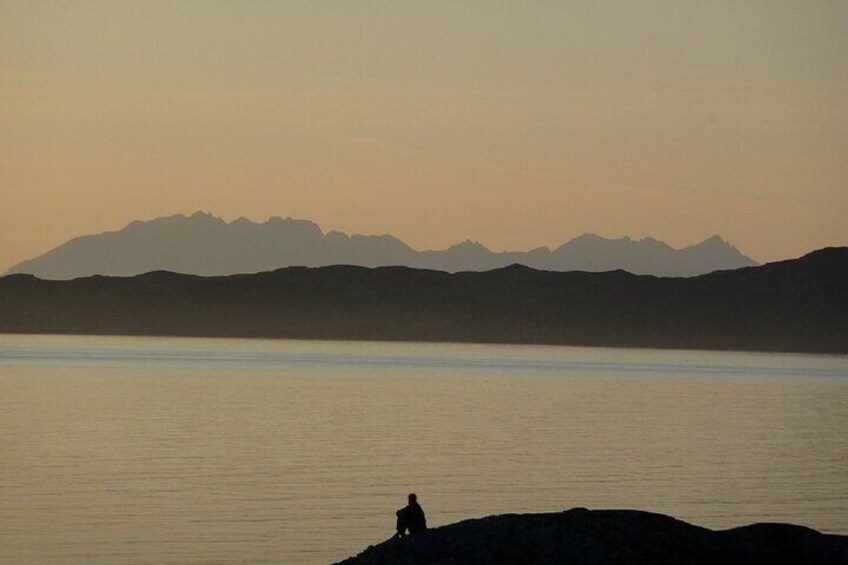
x: 516, y: 124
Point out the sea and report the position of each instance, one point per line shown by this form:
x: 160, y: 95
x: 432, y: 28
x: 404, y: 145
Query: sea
x: 120, y: 450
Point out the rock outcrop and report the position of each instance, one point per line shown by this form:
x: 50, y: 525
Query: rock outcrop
x: 581, y: 536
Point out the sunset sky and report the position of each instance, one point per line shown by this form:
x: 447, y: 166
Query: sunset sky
x: 516, y: 124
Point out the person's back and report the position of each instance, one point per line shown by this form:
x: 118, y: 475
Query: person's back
x: 415, y: 519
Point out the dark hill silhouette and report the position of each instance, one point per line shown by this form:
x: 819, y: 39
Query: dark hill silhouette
x: 797, y: 305
x: 202, y: 244
x: 581, y: 536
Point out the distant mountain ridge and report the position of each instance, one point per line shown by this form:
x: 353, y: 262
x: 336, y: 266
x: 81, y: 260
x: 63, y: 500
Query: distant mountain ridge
x: 797, y: 305
x: 203, y: 244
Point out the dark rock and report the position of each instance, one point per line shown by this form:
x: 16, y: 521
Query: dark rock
x: 581, y: 536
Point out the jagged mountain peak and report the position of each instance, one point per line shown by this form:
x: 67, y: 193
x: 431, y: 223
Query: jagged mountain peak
x: 205, y: 244
x: 714, y: 244
x: 242, y: 221
x: 715, y: 241
x: 468, y: 245
x: 197, y: 218
x: 589, y: 237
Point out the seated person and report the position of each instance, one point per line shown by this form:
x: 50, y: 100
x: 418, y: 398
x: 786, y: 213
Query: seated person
x: 411, y: 517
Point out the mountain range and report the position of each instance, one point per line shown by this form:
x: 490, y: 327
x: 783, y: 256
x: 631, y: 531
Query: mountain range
x: 796, y: 305
x: 203, y: 244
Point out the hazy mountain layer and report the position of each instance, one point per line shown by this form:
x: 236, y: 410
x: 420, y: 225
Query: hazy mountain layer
x: 798, y: 305
x: 203, y: 244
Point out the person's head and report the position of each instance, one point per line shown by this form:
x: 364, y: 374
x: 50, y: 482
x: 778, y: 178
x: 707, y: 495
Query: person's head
x: 412, y: 498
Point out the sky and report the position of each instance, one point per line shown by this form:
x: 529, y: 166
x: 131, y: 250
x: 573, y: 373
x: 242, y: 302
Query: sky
x: 515, y: 124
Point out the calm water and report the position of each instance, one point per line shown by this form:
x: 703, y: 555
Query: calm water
x: 149, y: 450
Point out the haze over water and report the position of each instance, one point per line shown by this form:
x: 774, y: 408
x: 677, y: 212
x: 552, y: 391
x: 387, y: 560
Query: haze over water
x: 126, y: 450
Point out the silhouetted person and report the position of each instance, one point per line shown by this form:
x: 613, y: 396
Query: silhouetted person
x: 411, y: 517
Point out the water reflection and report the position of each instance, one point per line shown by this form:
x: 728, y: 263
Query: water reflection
x: 116, y: 450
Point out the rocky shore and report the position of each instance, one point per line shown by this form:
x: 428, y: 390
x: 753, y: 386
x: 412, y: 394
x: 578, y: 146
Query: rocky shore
x: 581, y: 536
